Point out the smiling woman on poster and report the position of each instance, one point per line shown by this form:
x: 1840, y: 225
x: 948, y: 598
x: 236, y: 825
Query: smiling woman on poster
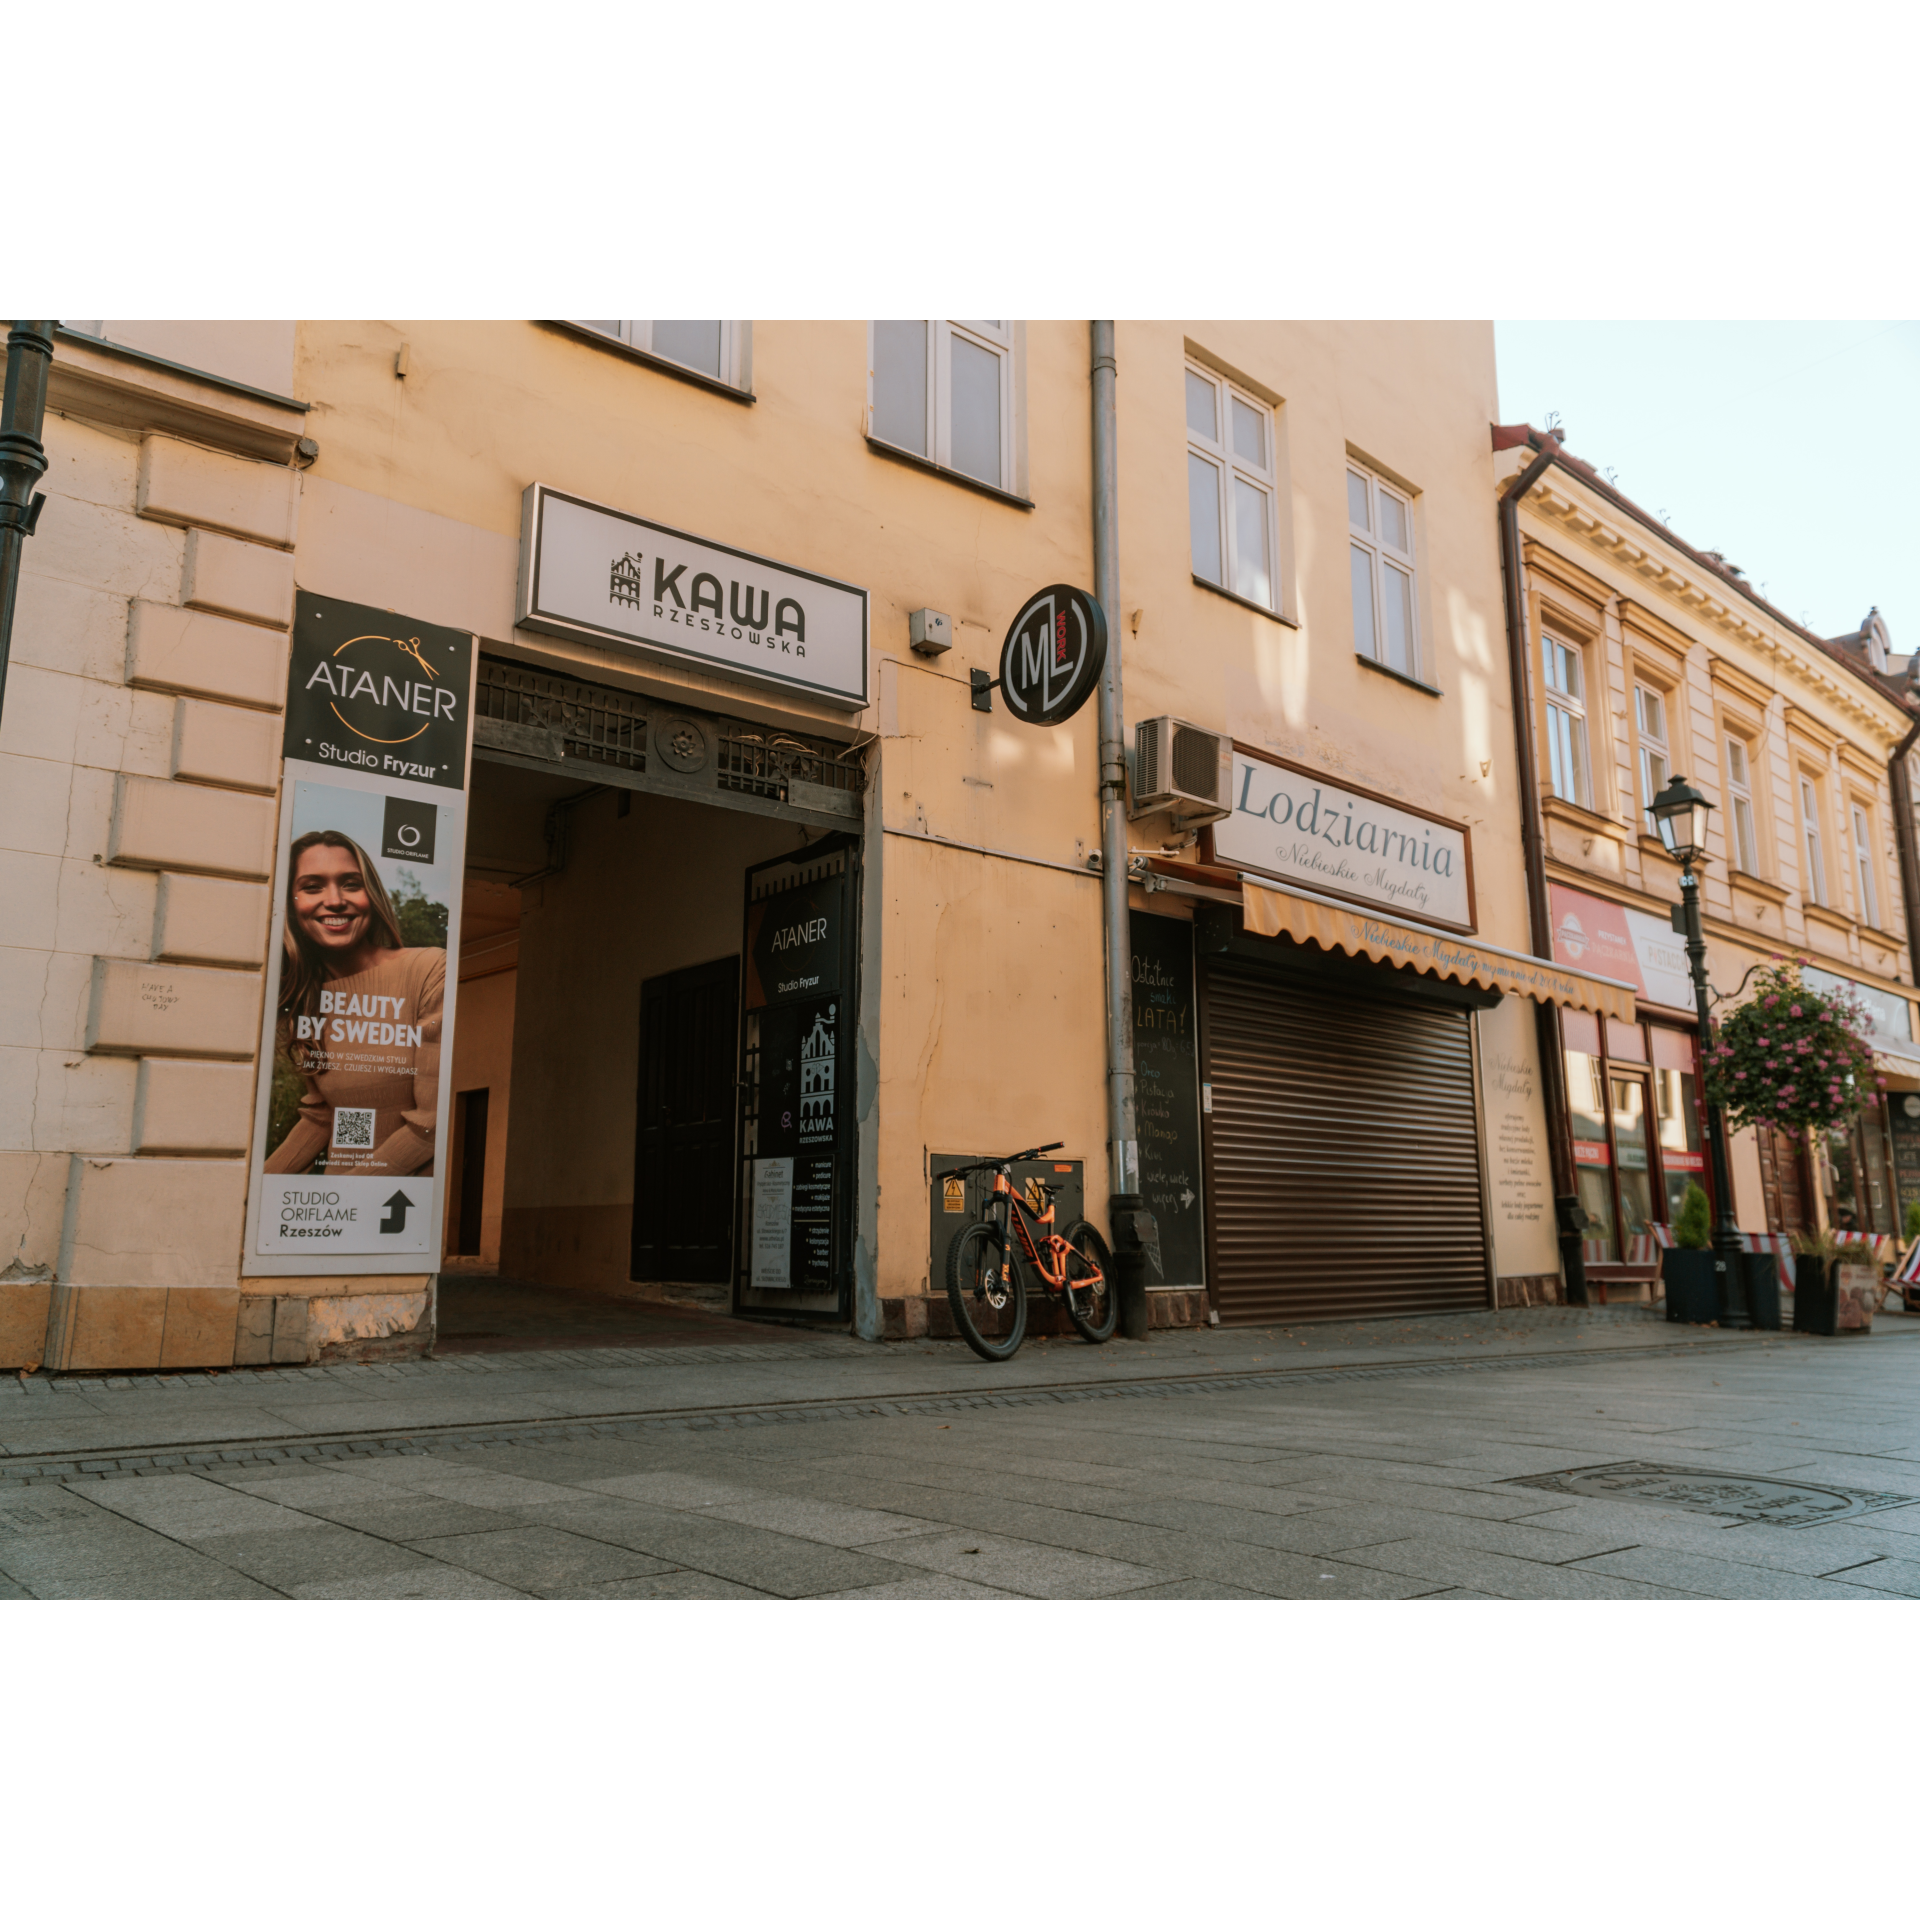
x: 359, y: 1019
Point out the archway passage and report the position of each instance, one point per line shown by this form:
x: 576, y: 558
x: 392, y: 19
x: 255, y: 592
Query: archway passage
x: 495, y: 1313
x: 594, y: 1150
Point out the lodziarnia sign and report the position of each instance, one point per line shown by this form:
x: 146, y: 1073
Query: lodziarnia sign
x: 591, y: 573
x: 1310, y: 830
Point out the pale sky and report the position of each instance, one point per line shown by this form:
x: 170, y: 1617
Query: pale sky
x: 1789, y: 445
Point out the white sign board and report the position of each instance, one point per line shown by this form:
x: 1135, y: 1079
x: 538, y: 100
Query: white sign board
x: 590, y: 573
x: 1886, y: 1012
x: 772, y: 1263
x: 1311, y: 831
x: 1525, y: 1237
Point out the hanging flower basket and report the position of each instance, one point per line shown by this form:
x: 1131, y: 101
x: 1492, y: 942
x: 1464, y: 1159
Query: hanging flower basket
x: 1798, y: 1058
x: 1793, y: 1055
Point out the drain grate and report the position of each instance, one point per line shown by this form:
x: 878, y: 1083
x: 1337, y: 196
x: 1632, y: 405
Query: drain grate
x: 1730, y: 1496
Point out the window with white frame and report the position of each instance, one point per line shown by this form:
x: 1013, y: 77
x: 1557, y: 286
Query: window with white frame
x: 1380, y: 553
x: 1746, y: 852
x: 944, y: 389
x: 1231, y: 496
x: 1650, y: 716
x: 717, y: 348
x: 1863, y: 864
x: 1566, y: 686
x: 1810, y: 840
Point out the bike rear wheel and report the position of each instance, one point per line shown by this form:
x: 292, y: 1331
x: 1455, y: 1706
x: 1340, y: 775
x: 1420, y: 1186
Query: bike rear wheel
x: 1093, y: 1308
x: 985, y: 1292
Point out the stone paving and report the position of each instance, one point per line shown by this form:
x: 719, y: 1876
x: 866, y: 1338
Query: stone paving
x: 1372, y: 1461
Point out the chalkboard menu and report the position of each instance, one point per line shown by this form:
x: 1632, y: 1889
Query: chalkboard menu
x: 1903, y: 1109
x: 1167, y: 1092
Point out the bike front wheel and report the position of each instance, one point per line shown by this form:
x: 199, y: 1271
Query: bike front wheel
x: 1093, y: 1294
x: 985, y: 1292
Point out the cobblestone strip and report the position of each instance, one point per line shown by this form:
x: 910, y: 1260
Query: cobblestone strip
x: 562, y: 1427
x: 540, y: 1360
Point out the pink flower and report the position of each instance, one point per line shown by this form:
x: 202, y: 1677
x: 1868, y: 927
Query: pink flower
x: 1795, y: 1011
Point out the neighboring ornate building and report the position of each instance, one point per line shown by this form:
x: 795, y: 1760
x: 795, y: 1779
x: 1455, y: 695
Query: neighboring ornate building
x: 1648, y: 657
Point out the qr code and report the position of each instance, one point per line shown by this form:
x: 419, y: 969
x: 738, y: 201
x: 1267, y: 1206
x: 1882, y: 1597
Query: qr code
x: 352, y: 1127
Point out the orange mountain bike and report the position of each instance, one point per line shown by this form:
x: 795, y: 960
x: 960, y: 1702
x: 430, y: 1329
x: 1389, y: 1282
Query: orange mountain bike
x: 984, y: 1263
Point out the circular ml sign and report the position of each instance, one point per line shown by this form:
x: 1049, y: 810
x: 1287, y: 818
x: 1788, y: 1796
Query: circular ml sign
x: 1053, y: 656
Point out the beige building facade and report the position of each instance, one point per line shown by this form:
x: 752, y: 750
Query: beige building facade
x: 1339, y: 1086
x: 1647, y: 658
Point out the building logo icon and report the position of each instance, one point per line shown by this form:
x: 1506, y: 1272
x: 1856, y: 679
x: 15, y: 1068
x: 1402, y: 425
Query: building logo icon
x: 816, y: 1077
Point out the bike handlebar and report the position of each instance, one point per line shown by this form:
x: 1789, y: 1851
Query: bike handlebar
x: 1005, y: 1159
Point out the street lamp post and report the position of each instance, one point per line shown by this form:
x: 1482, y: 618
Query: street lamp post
x: 22, y: 461
x: 1680, y: 811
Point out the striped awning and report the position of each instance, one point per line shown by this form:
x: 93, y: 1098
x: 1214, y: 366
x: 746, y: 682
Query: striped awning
x: 1273, y: 910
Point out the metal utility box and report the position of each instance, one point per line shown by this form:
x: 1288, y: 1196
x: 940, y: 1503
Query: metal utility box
x: 955, y: 1203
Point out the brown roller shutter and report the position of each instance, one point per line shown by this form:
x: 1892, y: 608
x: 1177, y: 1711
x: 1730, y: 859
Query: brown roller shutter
x: 1343, y: 1164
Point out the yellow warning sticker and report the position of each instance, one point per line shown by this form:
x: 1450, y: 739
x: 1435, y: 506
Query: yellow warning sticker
x: 953, y: 1195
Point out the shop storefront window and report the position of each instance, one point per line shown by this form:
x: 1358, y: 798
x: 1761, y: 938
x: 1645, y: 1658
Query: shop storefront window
x: 1862, y: 1192
x: 1634, y: 1114
x: 1632, y: 1157
x: 1587, y: 1113
x: 1676, y: 1095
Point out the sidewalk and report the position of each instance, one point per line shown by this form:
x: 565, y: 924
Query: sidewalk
x: 1372, y: 1459
x: 139, y: 1414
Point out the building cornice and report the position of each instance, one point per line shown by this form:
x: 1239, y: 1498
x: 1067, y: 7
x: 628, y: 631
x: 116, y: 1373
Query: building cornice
x: 109, y: 385
x: 1559, y: 499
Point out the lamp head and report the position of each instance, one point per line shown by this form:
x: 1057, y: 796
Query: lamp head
x: 1681, y: 812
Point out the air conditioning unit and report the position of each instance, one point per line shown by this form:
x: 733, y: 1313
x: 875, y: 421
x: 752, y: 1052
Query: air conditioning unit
x: 1183, y: 770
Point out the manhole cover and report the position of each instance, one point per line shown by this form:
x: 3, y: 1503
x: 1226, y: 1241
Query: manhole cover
x: 1733, y: 1496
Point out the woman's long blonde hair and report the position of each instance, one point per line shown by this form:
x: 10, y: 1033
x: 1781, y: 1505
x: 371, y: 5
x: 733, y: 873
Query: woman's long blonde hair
x: 303, y: 968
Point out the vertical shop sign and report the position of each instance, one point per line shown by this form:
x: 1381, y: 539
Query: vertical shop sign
x: 1167, y: 1091
x: 345, y: 1173
x: 1525, y: 1235
x: 796, y: 1127
x: 1903, y: 1109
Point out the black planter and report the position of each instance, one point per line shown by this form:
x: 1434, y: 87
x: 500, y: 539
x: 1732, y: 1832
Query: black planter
x: 1763, y: 1291
x: 1816, y: 1295
x: 1689, y: 1278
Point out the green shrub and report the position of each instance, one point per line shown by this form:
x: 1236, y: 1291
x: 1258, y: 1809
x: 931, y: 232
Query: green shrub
x: 1910, y: 1221
x: 1693, y: 1225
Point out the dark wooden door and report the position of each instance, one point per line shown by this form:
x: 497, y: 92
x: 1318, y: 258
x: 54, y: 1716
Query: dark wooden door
x: 1783, y: 1177
x: 472, y: 1168
x: 684, y: 1145
x: 1343, y: 1157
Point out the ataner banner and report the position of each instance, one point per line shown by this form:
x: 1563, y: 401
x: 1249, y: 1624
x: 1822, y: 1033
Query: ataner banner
x: 346, y: 1170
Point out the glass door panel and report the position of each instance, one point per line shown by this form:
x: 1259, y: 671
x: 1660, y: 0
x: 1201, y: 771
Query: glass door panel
x: 1592, y: 1154
x: 1848, y: 1187
x: 1677, y: 1113
x: 1633, y: 1164
x: 1877, y: 1173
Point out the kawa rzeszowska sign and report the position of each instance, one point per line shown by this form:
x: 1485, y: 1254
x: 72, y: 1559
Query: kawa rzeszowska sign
x: 591, y: 573
x: 1312, y: 831
x: 350, y: 1116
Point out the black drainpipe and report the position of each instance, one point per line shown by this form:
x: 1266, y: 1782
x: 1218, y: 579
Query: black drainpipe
x: 1568, y: 1213
x: 22, y: 461
x: 1900, y: 779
